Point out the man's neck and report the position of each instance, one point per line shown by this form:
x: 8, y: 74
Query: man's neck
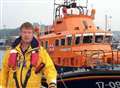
x: 24, y: 45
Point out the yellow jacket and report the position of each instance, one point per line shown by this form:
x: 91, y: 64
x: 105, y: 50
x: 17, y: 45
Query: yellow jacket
x: 34, y: 81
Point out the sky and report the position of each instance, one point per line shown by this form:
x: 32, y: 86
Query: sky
x: 14, y: 12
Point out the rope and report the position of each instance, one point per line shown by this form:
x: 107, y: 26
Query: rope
x: 65, y: 86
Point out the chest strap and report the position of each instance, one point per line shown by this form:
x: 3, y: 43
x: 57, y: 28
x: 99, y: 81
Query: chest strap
x: 40, y: 67
x: 16, y: 81
x: 27, y: 77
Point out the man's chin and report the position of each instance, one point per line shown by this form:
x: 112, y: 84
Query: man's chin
x: 27, y: 41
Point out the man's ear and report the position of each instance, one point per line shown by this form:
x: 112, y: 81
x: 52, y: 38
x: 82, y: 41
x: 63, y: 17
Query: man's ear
x: 20, y: 33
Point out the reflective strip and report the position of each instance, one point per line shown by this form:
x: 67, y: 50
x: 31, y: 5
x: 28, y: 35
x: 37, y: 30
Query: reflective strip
x: 87, y: 34
x: 53, y: 81
x: 13, y: 51
x: 109, y: 34
x: 33, y: 51
x: 52, y: 85
x: 77, y: 35
x: 69, y: 35
x: 99, y: 33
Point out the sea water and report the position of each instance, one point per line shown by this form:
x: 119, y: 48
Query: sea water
x: 1, y: 57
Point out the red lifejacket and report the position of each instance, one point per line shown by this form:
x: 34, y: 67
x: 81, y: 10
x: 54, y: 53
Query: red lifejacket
x: 34, y: 61
x: 12, y: 60
x: 34, y: 58
x: 12, y: 63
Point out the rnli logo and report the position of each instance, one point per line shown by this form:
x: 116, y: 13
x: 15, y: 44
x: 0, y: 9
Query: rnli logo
x: 65, y: 49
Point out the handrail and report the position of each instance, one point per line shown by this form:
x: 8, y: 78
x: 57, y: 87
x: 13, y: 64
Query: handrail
x: 113, y: 53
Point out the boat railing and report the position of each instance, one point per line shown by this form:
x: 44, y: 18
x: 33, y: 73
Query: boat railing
x: 102, y: 58
x: 61, y: 9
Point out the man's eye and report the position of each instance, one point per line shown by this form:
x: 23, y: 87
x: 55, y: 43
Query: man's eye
x: 29, y: 32
x: 24, y: 32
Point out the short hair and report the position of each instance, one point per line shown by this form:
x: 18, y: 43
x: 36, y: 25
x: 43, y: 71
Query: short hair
x: 26, y: 25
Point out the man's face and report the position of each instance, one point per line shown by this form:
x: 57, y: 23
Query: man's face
x: 26, y: 34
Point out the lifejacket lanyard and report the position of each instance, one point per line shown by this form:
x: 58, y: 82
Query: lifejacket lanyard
x: 16, y: 81
x: 26, y: 78
x: 21, y: 71
x: 40, y: 67
x: 27, y: 75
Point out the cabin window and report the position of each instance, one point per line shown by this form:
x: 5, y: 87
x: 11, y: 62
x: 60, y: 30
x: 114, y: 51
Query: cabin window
x: 87, y: 39
x: 42, y: 44
x: 72, y: 61
x: 63, y: 62
x: 77, y: 40
x: 56, y: 42
x: 46, y: 32
x: 46, y: 44
x: 99, y: 39
x: 108, y: 39
x: 76, y: 28
x: 62, y: 42
x: 69, y: 40
x: 59, y: 60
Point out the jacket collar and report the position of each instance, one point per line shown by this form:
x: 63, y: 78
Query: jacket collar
x: 33, y: 46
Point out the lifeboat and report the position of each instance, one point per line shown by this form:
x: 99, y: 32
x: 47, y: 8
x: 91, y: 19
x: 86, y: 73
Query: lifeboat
x: 81, y: 51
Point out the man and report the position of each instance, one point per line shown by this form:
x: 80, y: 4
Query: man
x: 26, y: 61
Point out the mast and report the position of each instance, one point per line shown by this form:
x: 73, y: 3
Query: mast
x: 54, y: 12
x: 86, y: 3
x: 106, y: 24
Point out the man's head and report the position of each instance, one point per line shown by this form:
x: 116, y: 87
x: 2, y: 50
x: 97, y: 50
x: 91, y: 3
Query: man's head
x: 26, y: 32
